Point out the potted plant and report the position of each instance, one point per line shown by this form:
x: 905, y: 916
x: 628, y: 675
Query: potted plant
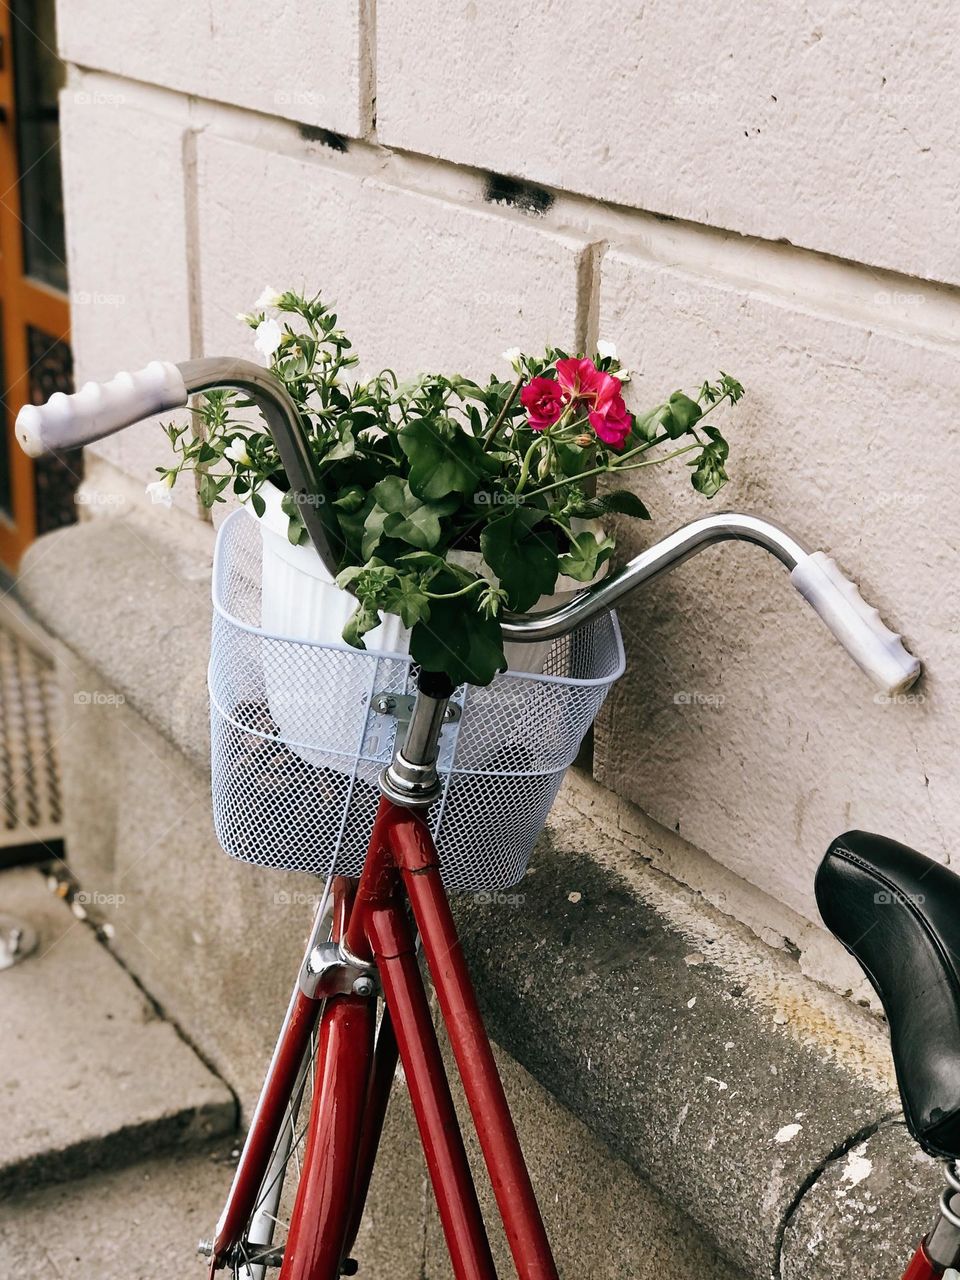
x: 448, y: 500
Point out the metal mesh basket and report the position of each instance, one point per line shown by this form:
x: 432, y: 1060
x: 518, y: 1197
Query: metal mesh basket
x: 297, y: 746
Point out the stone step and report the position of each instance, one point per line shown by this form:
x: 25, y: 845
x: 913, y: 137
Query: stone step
x: 139, y: 1222
x: 90, y: 1074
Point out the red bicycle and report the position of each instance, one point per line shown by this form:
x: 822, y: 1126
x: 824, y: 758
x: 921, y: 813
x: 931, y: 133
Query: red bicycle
x: 473, y: 773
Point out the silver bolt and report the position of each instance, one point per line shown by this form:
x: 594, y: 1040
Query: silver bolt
x: 364, y: 987
x: 385, y: 704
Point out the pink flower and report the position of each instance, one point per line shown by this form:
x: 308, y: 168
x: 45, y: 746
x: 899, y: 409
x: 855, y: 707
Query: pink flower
x: 614, y: 423
x: 609, y: 417
x: 544, y: 402
x: 601, y: 392
x: 580, y: 378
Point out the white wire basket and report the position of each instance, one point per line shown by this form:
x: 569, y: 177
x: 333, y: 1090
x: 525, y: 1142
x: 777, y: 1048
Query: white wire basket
x: 303, y: 796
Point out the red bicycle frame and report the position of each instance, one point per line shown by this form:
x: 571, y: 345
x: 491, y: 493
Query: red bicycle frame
x: 355, y: 1070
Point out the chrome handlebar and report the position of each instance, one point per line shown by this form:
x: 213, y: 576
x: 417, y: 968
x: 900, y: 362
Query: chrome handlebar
x: 99, y: 409
x: 660, y: 558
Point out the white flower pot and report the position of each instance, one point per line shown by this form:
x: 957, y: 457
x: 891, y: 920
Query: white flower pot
x: 301, y: 601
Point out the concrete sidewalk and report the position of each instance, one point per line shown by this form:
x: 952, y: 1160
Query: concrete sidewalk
x: 92, y: 1075
x: 138, y: 1223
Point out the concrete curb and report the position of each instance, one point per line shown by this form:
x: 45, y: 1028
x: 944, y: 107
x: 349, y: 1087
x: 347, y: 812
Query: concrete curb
x: 703, y: 1059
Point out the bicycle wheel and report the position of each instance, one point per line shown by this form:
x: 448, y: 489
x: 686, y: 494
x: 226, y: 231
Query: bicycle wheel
x: 251, y: 1248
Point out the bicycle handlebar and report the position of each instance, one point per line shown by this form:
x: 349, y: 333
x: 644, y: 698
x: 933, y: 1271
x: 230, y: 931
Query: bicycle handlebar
x: 878, y: 651
x: 98, y: 410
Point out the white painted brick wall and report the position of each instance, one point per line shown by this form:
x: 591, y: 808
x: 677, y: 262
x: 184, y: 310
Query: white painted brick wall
x: 834, y: 130
x: 834, y: 127
x: 419, y: 283
x: 305, y: 60
x: 124, y: 191
x: 742, y: 723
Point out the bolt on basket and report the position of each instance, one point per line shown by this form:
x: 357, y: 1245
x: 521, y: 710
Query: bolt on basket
x: 298, y: 742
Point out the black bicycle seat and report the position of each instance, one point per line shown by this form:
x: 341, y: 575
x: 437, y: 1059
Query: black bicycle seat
x: 898, y: 914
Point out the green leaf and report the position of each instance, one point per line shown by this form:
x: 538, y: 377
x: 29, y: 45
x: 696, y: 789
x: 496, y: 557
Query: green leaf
x: 296, y: 529
x: 443, y: 460
x: 258, y: 504
x: 408, y: 599
x: 525, y: 560
x: 681, y: 415
x: 351, y: 499
x: 586, y: 556
x: 373, y: 530
x: 647, y: 423
x: 208, y: 491
x: 709, y: 475
x: 410, y: 519
x: 621, y: 501
x: 345, y: 446
x: 458, y: 641
x: 358, y: 624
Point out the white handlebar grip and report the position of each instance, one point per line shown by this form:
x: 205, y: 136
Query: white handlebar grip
x: 99, y: 408
x: 857, y: 625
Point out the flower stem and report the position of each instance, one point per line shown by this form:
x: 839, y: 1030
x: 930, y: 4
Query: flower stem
x: 498, y: 421
x: 452, y: 595
x: 525, y: 467
x: 605, y: 470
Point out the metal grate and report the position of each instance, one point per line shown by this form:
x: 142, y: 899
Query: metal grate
x: 30, y: 809
x: 298, y: 746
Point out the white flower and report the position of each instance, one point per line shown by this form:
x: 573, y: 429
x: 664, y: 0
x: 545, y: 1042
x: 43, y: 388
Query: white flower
x: 242, y: 317
x: 513, y: 355
x: 268, y: 298
x: 236, y: 451
x: 268, y: 338
x: 607, y: 349
x: 160, y: 490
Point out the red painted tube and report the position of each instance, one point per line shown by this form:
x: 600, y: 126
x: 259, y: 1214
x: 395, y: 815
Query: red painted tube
x: 321, y: 1212
x: 416, y: 856
x: 267, y: 1119
x: 378, y: 883
x: 921, y: 1268
x: 381, y: 1085
x: 394, y: 951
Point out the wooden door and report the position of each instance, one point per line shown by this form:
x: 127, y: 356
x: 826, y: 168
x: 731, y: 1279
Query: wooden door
x: 35, y: 358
